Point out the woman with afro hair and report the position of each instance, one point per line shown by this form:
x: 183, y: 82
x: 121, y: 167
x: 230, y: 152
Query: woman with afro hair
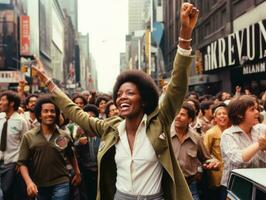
x: 135, y: 158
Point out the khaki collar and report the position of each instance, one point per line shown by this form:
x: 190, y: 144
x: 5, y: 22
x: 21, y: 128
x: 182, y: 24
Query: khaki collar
x: 190, y: 134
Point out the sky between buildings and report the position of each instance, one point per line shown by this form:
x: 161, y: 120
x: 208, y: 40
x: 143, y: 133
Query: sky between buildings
x: 106, y: 21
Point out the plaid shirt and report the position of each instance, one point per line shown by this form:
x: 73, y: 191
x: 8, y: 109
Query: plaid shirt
x: 233, y: 142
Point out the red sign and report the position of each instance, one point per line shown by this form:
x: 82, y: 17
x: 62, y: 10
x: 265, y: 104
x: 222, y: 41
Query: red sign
x: 24, y: 35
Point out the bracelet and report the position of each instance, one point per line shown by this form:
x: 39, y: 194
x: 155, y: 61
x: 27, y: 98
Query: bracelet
x: 184, y: 40
x: 48, y: 81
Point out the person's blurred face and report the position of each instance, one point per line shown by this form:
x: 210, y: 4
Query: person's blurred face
x: 247, y: 92
x: 225, y: 96
x: 20, y: 89
x: 221, y: 117
x: 4, y: 104
x: 193, y: 96
x: 79, y: 102
x: 31, y: 104
x: 208, y: 113
x: 102, y: 106
x: 251, y: 116
x: 86, y: 95
x: 216, y: 101
x: 129, y: 102
x: 48, y: 114
x: 182, y: 119
x: 113, y: 111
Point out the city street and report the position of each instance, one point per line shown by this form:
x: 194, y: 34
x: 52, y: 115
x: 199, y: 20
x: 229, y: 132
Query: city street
x: 132, y: 100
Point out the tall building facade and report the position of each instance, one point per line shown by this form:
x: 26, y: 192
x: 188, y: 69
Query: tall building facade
x: 170, y: 37
x: 135, y: 15
x: 69, y: 49
x: 84, y: 60
x: 71, y: 6
x: 93, y: 80
x: 229, y: 43
x: 72, y: 63
x: 27, y: 28
x: 57, y: 46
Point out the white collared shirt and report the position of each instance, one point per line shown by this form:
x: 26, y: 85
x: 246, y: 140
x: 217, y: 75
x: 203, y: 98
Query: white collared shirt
x: 16, y: 127
x: 233, y: 141
x: 31, y: 123
x: 141, y: 172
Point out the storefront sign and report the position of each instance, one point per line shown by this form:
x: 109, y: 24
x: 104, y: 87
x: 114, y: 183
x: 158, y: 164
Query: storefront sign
x: 248, y: 44
x: 10, y: 76
x: 203, y: 78
x: 24, y: 35
x: 254, y: 68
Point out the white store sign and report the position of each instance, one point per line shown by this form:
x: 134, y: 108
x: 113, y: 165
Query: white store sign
x: 10, y: 76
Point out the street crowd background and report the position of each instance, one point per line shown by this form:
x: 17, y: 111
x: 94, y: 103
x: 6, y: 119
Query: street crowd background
x: 210, y: 122
x: 45, y: 155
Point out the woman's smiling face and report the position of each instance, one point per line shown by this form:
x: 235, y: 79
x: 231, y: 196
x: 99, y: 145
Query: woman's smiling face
x: 128, y: 101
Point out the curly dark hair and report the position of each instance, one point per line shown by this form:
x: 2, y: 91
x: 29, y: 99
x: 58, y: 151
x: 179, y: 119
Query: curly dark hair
x: 12, y: 97
x: 238, y: 106
x: 148, y: 90
x: 91, y: 108
x: 196, y: 104
x: 77, y: 95
x: 107, y: 107
x: 38, y: 108
x: 27, y: 100
x: 100, y: 98
x: 190, y: 110
x: 205, y: 106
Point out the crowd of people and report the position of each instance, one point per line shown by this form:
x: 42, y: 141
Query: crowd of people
x: 133, y: 144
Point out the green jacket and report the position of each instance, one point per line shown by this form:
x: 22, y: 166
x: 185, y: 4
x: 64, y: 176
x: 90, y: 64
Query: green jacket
x: 158, y: 131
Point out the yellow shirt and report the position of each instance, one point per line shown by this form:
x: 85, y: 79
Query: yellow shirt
x: 212, y: 139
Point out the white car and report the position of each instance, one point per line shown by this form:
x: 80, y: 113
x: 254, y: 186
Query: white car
x: 247, y: 184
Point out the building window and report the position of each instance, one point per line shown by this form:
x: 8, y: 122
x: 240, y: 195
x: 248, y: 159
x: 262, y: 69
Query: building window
x: 223, y: 16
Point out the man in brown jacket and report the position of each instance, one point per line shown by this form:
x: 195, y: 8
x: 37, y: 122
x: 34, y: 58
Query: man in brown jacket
x: 189, y: 148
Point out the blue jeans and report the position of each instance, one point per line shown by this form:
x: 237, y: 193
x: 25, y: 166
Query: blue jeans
x: 1, y: 192
x: 223, y: 193
x: 194, y: 190
x: 10, y: 182
x: 55, y: 192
